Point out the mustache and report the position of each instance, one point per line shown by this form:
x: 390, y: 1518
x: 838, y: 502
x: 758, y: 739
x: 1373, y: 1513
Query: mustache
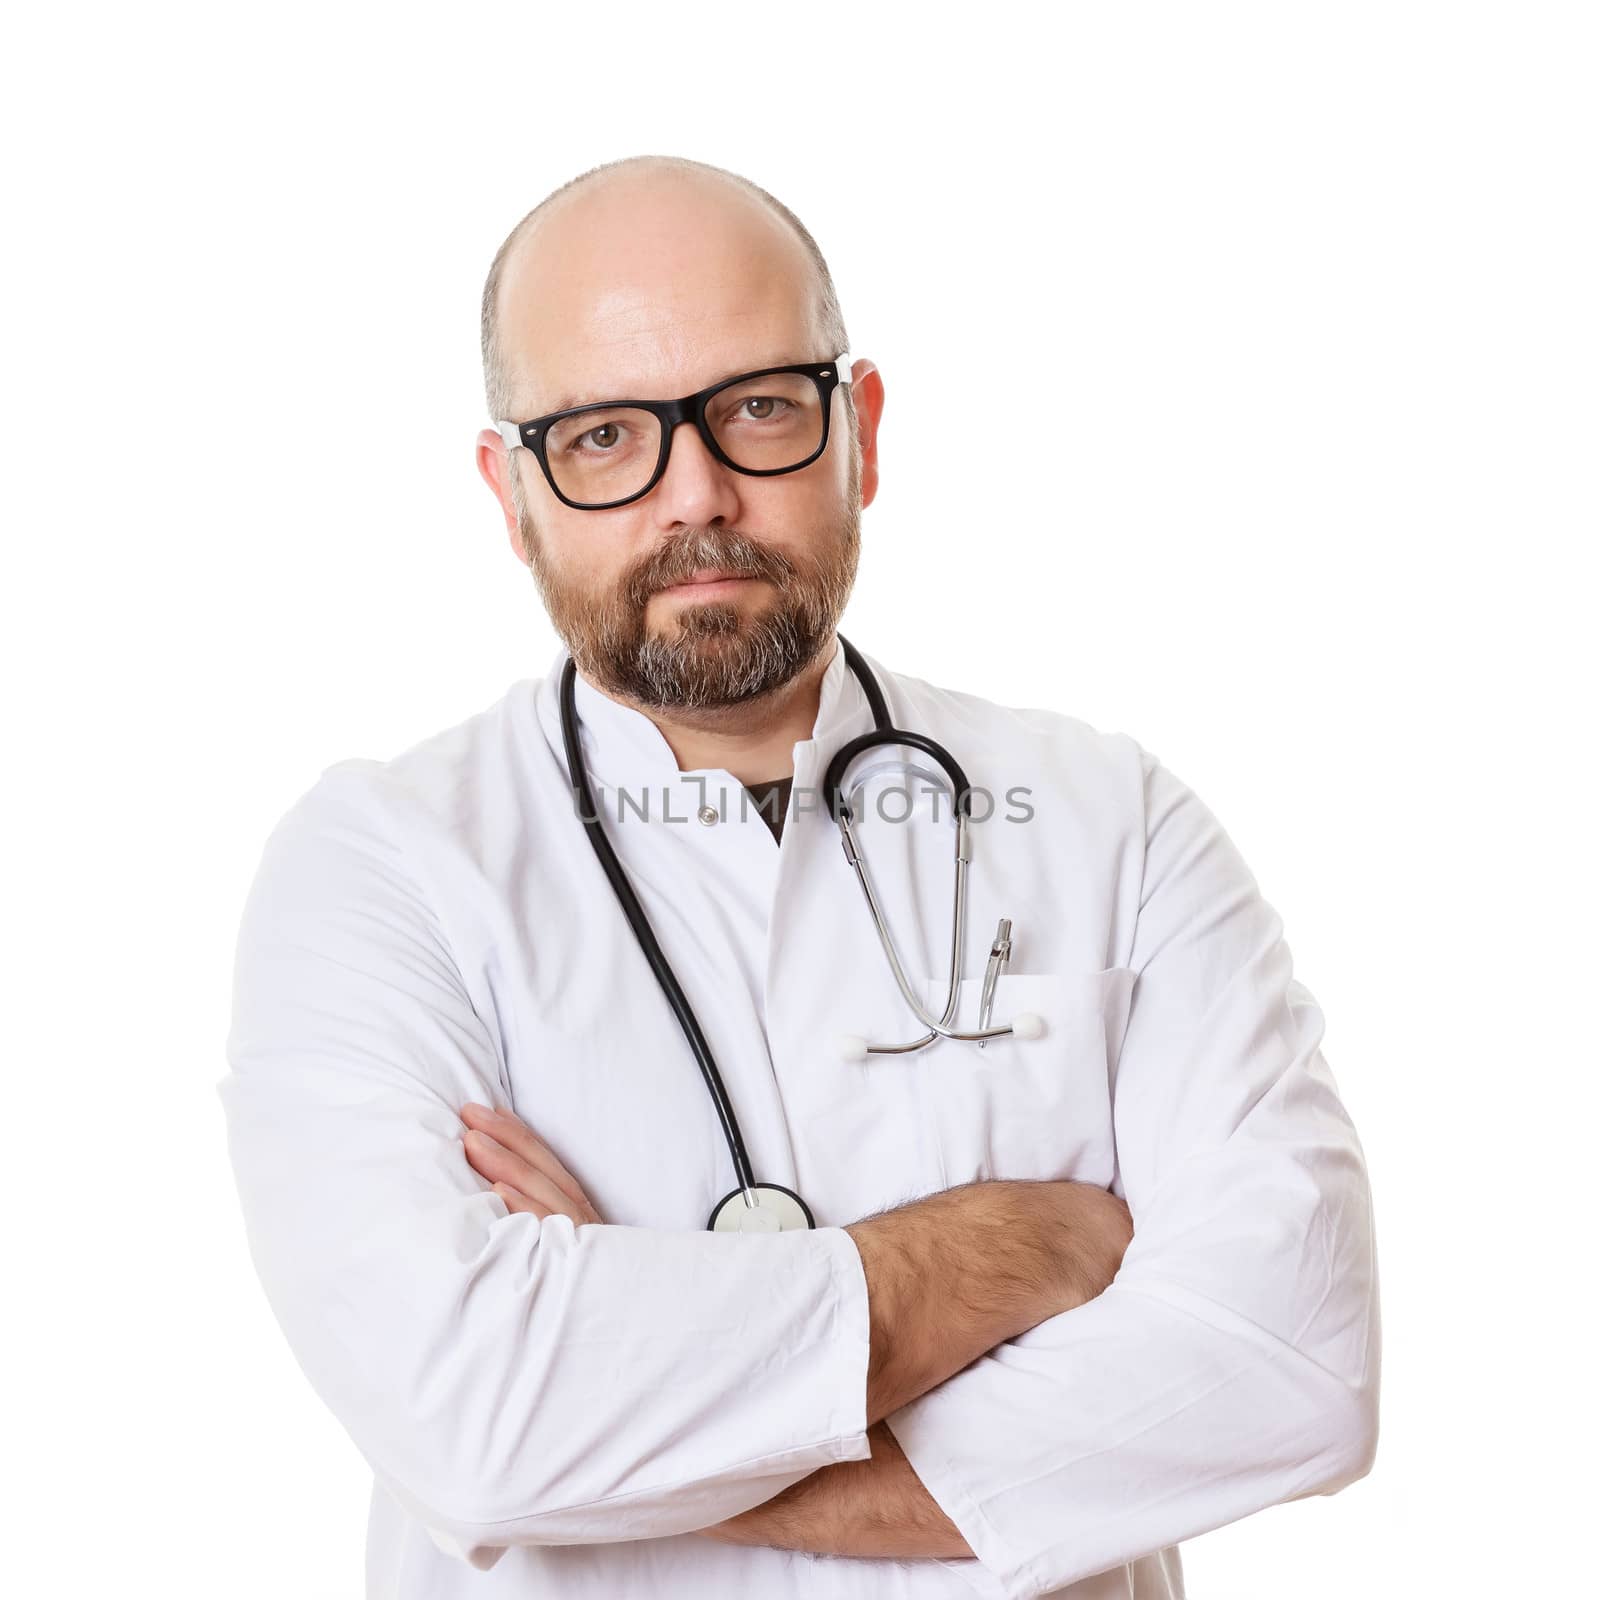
x: 679, y: 560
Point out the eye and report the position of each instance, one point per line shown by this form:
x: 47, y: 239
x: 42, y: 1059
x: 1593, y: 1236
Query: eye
x: 773, y: 404
x: 605, y: 444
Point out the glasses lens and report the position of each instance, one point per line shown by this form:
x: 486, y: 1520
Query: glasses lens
x: 603, y: 455
x: 767, y: 423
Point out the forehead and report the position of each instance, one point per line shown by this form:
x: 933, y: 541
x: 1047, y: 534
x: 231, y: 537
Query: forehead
x: 652, y: 291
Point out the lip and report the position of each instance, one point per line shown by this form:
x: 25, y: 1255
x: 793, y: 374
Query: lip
x: 709, y: 581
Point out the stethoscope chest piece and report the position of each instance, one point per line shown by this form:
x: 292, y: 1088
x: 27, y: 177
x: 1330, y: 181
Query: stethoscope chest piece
x: 776, y: 1210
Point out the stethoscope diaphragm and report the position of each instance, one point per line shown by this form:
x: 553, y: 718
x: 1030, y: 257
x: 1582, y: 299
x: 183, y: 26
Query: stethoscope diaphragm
x: 776, y: 1210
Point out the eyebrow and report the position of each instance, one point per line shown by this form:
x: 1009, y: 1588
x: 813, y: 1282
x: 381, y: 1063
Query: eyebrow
x: 591, y: 398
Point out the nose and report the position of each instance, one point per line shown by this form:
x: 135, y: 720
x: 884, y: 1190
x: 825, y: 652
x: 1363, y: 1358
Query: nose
x: 696, y: 489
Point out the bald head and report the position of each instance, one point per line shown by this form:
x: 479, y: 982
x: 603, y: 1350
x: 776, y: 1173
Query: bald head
x: 642, y: 270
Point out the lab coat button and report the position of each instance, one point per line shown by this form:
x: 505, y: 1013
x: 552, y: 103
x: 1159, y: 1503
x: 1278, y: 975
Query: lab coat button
x: 708, y: 815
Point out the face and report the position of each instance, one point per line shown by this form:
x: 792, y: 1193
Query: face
x: 716, y: 588
x: 708, y: 616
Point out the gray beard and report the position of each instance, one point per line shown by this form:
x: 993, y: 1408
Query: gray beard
x: 688, y: 672
x: 712, y: 656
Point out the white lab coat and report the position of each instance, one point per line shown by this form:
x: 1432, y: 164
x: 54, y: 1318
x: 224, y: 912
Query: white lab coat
x: 551, y: 1410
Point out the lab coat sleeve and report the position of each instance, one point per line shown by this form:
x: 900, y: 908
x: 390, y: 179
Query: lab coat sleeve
x: 510, y: 1381
x: 1233, y: 1364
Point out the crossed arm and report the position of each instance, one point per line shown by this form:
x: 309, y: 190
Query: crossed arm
x: 855, y: 1508
x: 1232, y: 1364
x: 877, y: 1507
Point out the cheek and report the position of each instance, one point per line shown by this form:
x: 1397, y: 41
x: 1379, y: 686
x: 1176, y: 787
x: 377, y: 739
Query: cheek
x: 587, y: 555
x: 806, y: 520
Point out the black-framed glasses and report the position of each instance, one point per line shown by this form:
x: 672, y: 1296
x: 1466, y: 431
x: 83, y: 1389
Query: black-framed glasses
x: 613, y: 451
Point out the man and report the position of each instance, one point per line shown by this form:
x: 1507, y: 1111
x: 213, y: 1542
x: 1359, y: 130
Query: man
x: 1070, y: 1297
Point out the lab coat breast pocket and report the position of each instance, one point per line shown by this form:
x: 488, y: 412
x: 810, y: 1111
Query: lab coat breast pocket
x: 1028, y: 1108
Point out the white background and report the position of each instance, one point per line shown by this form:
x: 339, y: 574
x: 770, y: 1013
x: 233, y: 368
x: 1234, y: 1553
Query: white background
x: 1282, y: 322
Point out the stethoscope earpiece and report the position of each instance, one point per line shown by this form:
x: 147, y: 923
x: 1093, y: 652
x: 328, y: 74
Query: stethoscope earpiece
x: 1028, y: 1025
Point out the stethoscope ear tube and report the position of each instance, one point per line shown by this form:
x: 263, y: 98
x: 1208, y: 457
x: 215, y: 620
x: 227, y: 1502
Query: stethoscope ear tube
x: 853, y: 1047
x: 833, y: 779
x: 884, y: 732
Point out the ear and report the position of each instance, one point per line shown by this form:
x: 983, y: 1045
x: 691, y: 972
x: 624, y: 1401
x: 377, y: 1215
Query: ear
x: 866, y: 390
x: 495, y: 466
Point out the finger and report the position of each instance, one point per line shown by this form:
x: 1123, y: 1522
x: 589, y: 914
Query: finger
x: 519, y: 1202
x: 511, y: 1131
x: 500, y: 1165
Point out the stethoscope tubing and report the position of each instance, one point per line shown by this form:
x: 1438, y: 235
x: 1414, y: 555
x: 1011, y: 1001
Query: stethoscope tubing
x: 645, y: 934
x: 883, y: 733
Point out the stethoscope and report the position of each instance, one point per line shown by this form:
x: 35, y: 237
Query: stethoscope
x: 753, y: 1207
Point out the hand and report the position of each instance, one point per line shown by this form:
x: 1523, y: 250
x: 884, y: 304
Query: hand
x: 523, y: 1169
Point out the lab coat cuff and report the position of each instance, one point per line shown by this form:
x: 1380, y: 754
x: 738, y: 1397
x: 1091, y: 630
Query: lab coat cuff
x: 851, y: 1342
x: 991, y: 1570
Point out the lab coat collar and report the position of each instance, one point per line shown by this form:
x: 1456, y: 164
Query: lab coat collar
x: 623, y: 747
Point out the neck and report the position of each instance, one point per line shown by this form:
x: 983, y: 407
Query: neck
x: 754, y: 740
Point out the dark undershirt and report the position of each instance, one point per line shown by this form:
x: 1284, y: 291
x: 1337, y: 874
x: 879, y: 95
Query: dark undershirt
x: 769, y: 800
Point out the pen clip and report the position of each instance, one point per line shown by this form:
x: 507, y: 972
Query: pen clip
x: 999, y: 955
